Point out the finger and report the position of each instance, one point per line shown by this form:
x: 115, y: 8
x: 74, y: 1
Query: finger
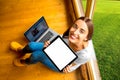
x: 64, y: 70
x: 47, y: 42
x: 68, y: 68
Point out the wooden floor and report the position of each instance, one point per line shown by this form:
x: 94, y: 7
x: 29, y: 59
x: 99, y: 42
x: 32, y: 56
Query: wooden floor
x: 16, y: 16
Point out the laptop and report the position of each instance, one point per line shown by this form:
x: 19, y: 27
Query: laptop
x: 60, y: 54
x: 40, y: 32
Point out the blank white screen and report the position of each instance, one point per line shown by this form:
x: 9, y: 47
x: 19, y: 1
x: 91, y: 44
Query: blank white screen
x: 59, y: 53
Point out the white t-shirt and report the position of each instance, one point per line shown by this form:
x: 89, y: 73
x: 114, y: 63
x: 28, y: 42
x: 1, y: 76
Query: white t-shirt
x: 83, y: 56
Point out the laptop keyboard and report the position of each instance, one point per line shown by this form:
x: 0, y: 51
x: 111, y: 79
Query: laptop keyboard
x: 47, y: 37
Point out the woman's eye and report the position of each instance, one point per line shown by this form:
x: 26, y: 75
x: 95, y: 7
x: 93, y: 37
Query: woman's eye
x: 74, y: 26
x: 82, y: 31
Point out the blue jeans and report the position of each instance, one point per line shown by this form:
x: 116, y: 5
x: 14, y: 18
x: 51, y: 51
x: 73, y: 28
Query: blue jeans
x: 39, y: 56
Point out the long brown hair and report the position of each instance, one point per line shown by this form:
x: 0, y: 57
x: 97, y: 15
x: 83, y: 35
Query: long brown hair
x: 89, y: 25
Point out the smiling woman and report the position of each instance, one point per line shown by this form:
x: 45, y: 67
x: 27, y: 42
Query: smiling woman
x: 77, y: 40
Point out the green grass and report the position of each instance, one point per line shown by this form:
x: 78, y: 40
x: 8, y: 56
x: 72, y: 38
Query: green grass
x: 106, y: 38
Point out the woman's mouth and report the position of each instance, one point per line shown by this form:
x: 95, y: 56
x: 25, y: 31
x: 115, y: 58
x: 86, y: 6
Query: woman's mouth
x: 73, y: 37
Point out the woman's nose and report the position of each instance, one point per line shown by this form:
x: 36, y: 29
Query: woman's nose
x: 76, y: 31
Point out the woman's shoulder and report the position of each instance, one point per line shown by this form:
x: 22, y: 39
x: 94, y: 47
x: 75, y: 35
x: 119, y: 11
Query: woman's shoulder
x: 84, y: 52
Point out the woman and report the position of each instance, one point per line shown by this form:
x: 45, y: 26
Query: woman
x: 77, y: 37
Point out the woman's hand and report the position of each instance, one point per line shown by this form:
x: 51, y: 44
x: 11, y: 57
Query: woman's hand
x: 67, y: 69
x: 46, y: 43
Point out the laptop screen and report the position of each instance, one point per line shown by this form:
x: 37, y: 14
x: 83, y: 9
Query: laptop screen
x: 36, y: 30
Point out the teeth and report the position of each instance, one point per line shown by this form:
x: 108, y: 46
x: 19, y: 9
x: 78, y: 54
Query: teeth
x: 74, y: 37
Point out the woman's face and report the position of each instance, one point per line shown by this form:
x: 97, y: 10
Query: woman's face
x: 78, y: 32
